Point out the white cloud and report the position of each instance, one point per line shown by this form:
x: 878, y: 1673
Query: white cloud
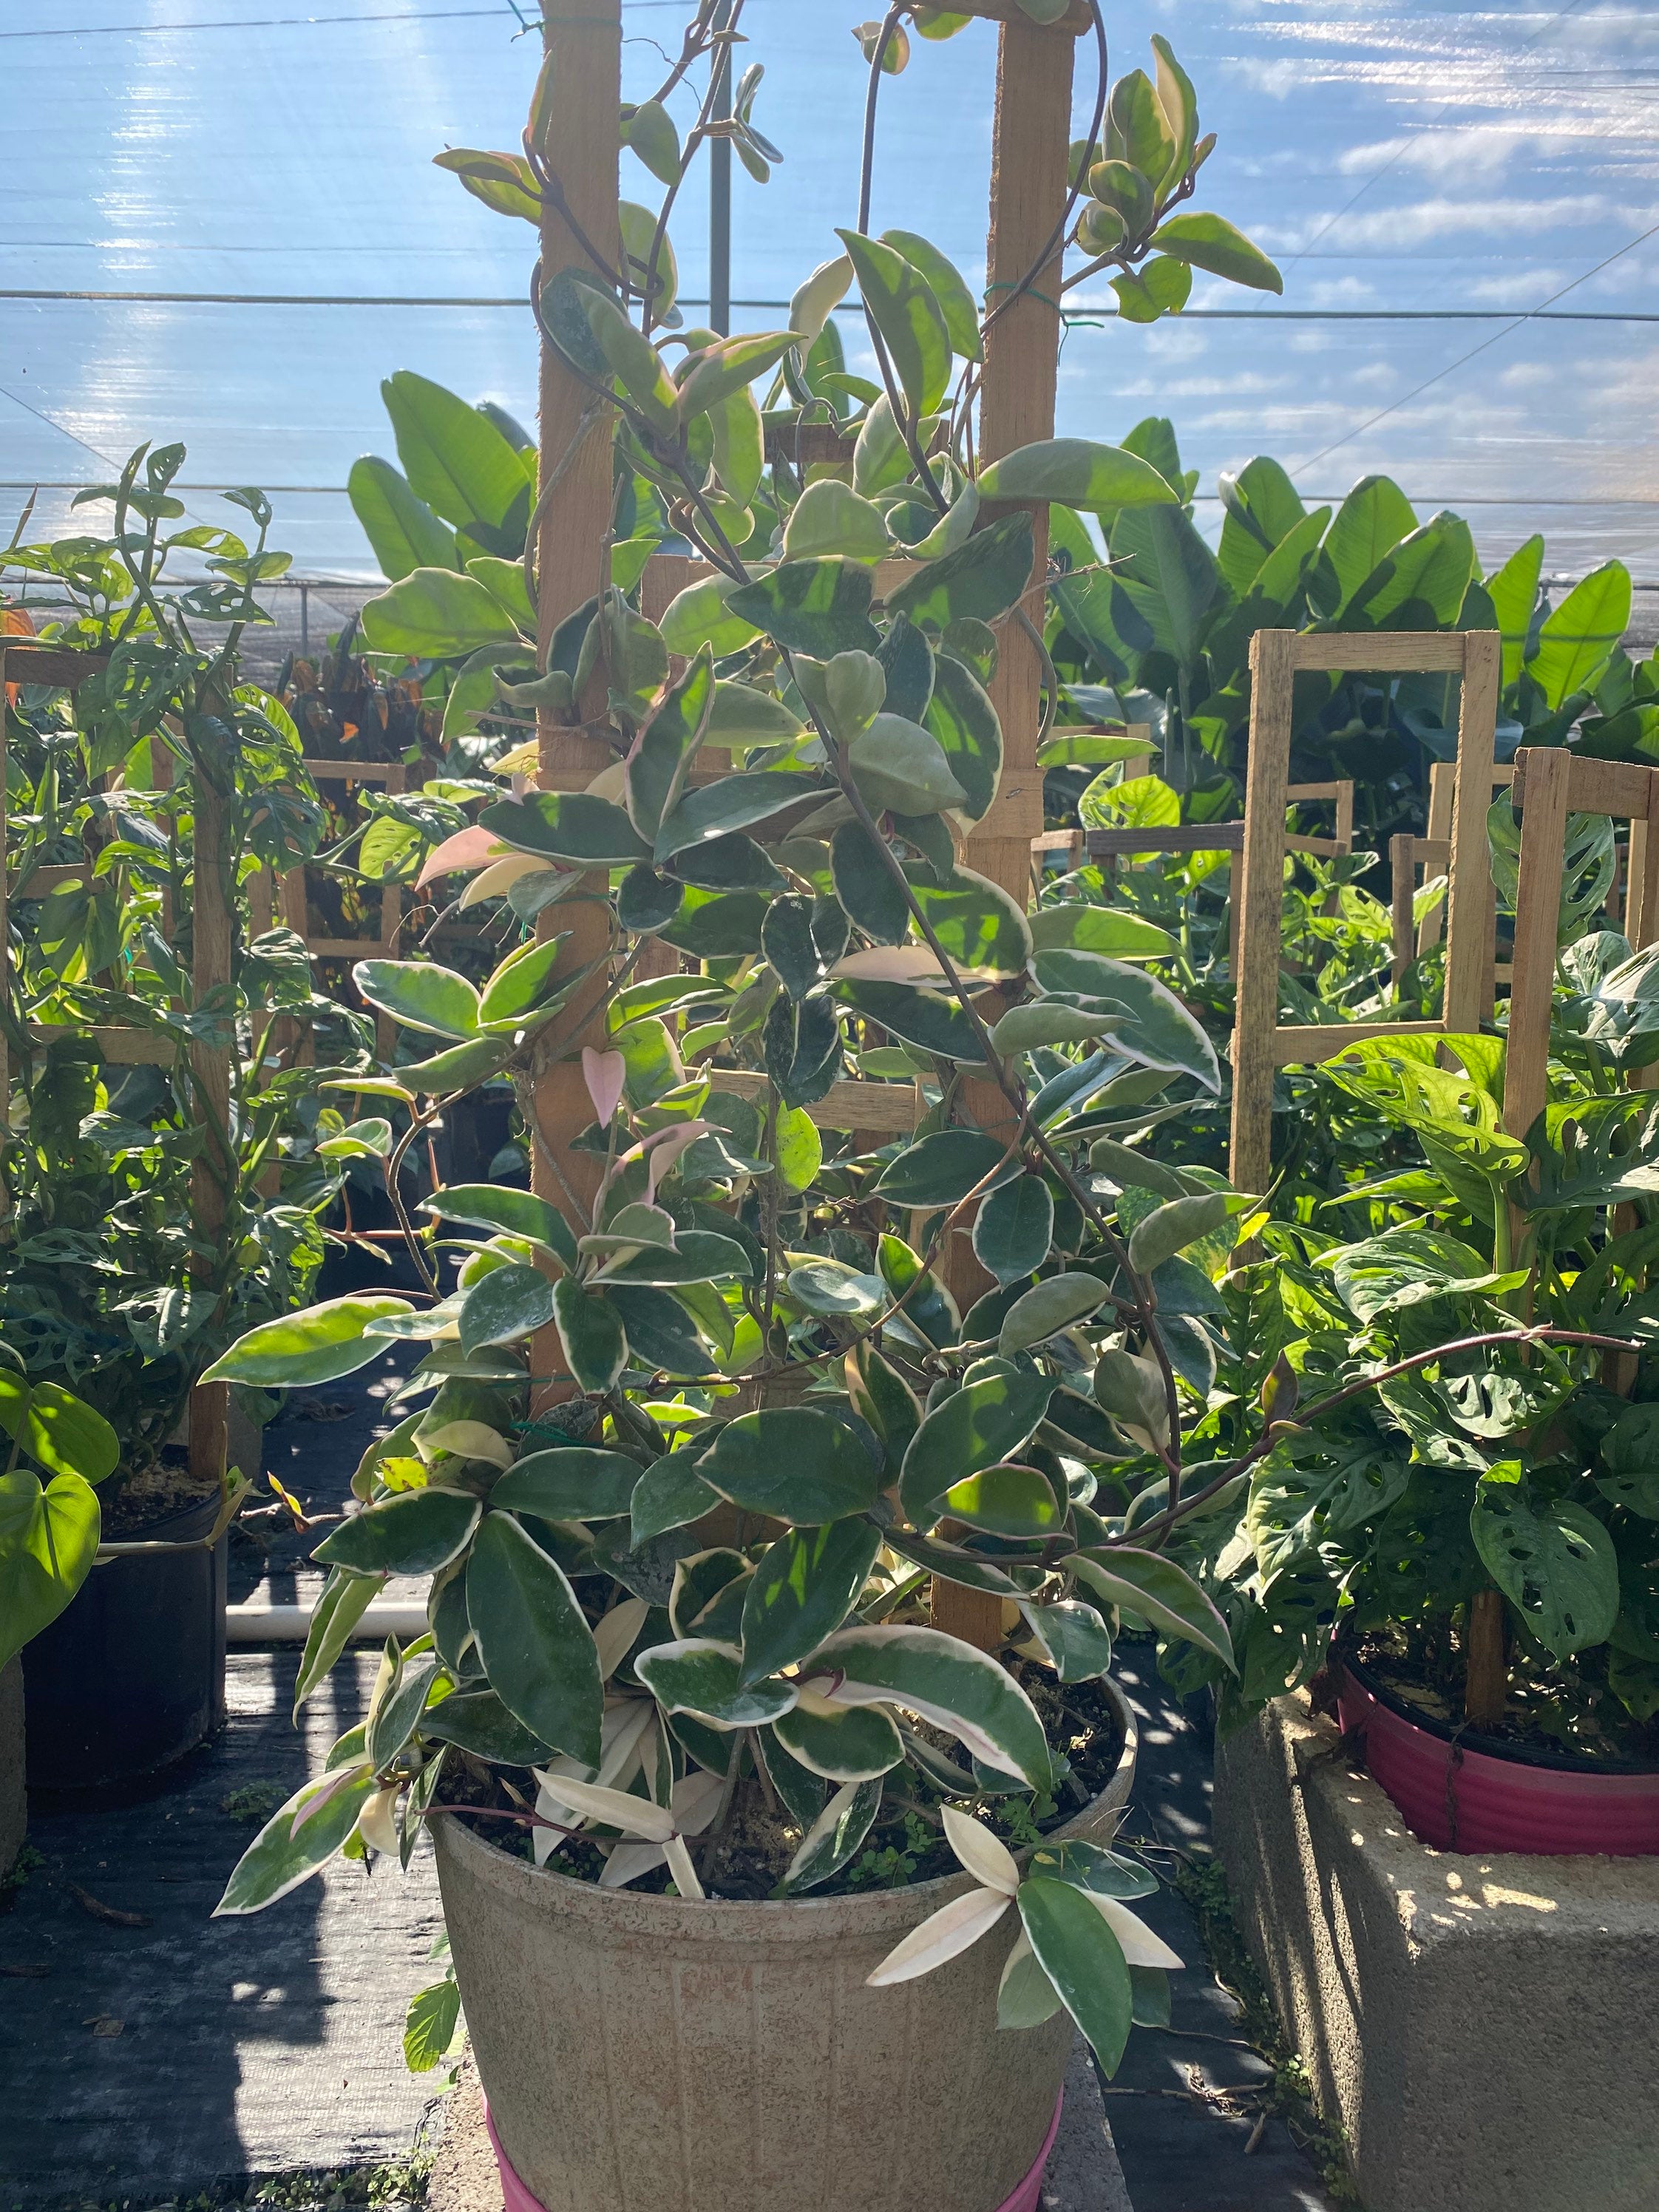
x: 1427, y: 222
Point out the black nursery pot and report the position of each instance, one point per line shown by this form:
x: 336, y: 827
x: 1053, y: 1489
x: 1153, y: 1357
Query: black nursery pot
x: 131, y: 1675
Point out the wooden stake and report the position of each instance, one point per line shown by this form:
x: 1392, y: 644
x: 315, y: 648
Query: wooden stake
x: 573, y: 559
x: 1469, y: 913
x: 1030, y: 137
x: 1257, y: 909
x: 1486, y: 1669
x: 214, y: 1175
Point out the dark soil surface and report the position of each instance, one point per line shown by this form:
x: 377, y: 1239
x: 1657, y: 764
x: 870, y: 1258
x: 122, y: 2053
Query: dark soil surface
x: 1574, y: 1721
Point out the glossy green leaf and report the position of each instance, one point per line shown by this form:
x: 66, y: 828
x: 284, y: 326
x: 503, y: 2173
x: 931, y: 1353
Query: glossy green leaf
x: 882, y: 1397
x: 1075, y: 1637
x: 460, y: 1068
x: 1162, y: 1033
x: 703, y: 1677
x: 956, y: 302
x: 281, y: 1857
x: 1576, y: 639
x: 1369, y: 523
x: 505, y: 1305
x: 900, y: 301
x: 820, y: 606
x: 1552, y: 1559
x: 671, y: 1494
x: 421, y: 994
x: 535, y: 1642
x: 346, y: 1597
x: 665, y: 749
x: 830, y: 517
x: 924, y: 1018
x: 1005, y: 1501
x: 458, y: 461
x: 1513, y: 591
x: 900, y: 766
x: 946, y: 1682
x: 979, y: 581
x: 403, y: 533
x: 699, y: 616
x: 522, y: 985
x: 1048, y: 1308
x: 1014, y: 1228
x: 1210, y: 242
x: 1084, y: 1962
x: 732, y: 802
x: 834, y: 1837
x: 573, y: 826
x: 477, y: 1721
x: 842, y: 1743
x: 316, y: 1345
x: 982, y: 1424
x: 721, y: 370
x: 575, y: 1482
x: 807, y: 1583
x: 518, y: 1212
x: 1114, y: 934
x: 794, y: 1463
x: 434, y: 614
x: 591, y: 1333
x: 1095, y: 478
x: 941, y: 1168
x: 414, y: 1533
x: 1171, y: 1227
x: 983, y: 929
x: 1157, y: 1589
x: 48, y: 1538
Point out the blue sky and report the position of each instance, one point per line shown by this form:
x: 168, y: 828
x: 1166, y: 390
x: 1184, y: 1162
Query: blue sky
x: 1419, y: 158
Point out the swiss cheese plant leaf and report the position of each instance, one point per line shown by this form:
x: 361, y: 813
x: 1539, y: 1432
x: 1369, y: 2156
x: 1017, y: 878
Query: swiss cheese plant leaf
x: 1551, y: 1559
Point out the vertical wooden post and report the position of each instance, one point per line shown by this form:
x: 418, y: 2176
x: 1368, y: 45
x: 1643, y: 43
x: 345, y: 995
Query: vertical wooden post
x: 1030, y: 137
x: 573, y: 558
x: 1538, y: 902
x: 213, y: 907
x: 1469, y: 910
x: 1257, y: 909
x: 5, y: 922
x: 1402, y: 866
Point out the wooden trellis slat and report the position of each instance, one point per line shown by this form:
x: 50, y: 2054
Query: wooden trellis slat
x: 1261, y: 1045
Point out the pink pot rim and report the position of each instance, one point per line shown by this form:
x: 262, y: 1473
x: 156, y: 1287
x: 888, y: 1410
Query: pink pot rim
x: 517, y: 2198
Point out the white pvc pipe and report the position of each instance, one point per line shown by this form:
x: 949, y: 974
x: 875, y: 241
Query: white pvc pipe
x: 291, y: 1624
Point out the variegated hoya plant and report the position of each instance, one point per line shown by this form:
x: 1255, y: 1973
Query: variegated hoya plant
x: 700, y: 1576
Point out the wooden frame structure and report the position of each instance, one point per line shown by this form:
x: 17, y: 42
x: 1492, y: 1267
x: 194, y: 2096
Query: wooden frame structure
x: 1407, y: 854
x: 1261, y: 1045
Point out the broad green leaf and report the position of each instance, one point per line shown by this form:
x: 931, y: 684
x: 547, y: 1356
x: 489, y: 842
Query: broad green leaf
x: 318, y: 1344
x: 462, y: 1068
x: 928, y: 1306
x: 1629, y: 1460
x: 504, y: 183
x: 1114, y: 934
x: 414, y: 1533
x: 430, y: 2025
x: 1092, y: 1867
x: 573, y: 826
x: 983, y: 929
x: 704, y: 1678
x: 946, y: 1682
x: 1074, y: 1636
x: 924, y: 1018
x: 479, y: 1722
x: 945, y: 1934
x: 721, y: 370
x: 865, y: 886
x: 1513, y: 591
x: 1169, y: 578
x: 1262, y: 508
x: 699, y: 616
x: 1176, y: 97
x: 665, y: 749
x: 1162, y: 1033
x: 671, y: 1494
x: 1095, y: 478
x: 833, y: 1839
x: 1048, y: 1308
x: 1552, y: 1559
x: 1089, y: 749
x: 492, y: 1205
x: 732, y: 802
x: 591, y: 1331
x: 650, y: 132
x: 520, y: 986
x: 536, y: 1645
x: 1047, y: 1021
x: 1005, y: 1501
x: 842, y: 1743
x: 807, y: 1583
x: 797, y: 1148
x: 900, y: 766
x: 1423, y: 582
x: 584, y: 322
x: 1014, y: 1228
x: 346, y: 1597
x: 403, y: 533
x: 434, y: 614
x: 941, y: 1168
x: 458, y: 461
x: 880, y: 457
x: 575, y: 1482
x: 1130, y: 1387
x: 960, y: 715
x: 881, y: 1396
x: 830, y: 1287
x: 1159, y: 287
x: 281, y: 1857
x: 982, y: 1425
x: 64, y: 1434
x: 1171, y: 1227
x: 1384, y: 1274
x: 821, y: 607
x: 1138, y: 130
x: 1157, y: 1589
x: 1083, y: 1960
x: 956, y: 302
x: 1369, y: 523
x: 48, y: 1538
x: 979, y: 581
x: 1210, y: 242
x: 742, y: 715
x: 830, y: 517
x: 508, y: 1304
x: 794, y: 1463
x: 1025, y: 1995
x: 900, y: 301
x: 421, y: 994
x: 1577, y: 640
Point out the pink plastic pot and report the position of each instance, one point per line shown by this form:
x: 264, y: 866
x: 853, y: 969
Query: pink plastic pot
x: 1461, y: 1799
x: 1026, y: 2199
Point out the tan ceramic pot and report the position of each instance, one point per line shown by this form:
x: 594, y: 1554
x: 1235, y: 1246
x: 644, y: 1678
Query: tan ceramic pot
x: 645, y: 2054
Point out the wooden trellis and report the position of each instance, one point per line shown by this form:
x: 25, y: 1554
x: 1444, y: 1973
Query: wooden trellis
x: 1261, y: 1045
x: 1413, y: 860
x: 1030, y: 140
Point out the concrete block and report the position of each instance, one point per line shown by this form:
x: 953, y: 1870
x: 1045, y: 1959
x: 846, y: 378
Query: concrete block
x: 14, y: 1801
x: 1082, y: 2175
x: 1485, y: 2029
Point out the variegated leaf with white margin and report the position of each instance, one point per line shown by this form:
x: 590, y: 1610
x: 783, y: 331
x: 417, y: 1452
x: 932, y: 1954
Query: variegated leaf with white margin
x: 694, y: 1804
x: 1141, y: 1947
x: 941, y: 1936
x: 1025, y: 1995
x: 614, y: 1808
x: 377, y: 1824
x: 622, y: 1750
x: 838, y: 1832
x: 986, y: 1856
x: 496, y: 880
x: 466, y: 1440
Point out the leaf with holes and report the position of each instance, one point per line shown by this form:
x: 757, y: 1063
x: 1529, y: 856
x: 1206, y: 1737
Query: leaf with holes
x: 1552, y: 1559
